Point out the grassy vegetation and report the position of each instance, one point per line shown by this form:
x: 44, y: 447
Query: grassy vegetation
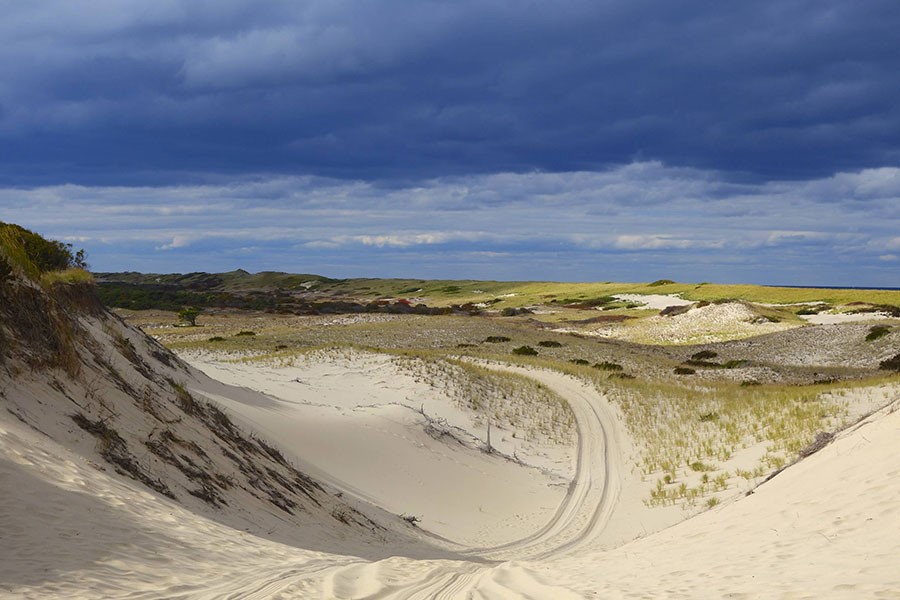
x: 44, y: 261
x: 688, y: 427
x: 496, y: 294
x: 508, y: 400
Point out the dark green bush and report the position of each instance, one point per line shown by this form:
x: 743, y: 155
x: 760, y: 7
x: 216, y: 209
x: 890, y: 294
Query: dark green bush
x: 497, y: 339
x: 525, y: 351
x: 877, y: 331
x: 34, y: 251
x: 701, y: 363
x: 245, y: 333
x: 579, y: 361
x: 684, y: 371
x: 704, y: 355
x: 891, y: 364
x: 734, y: 364
x: 549, y: 344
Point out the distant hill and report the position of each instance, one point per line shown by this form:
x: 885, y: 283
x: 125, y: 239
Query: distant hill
x: 310, y: 294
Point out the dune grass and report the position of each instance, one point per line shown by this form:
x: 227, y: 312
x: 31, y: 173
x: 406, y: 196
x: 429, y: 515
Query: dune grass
x: 519, y: 294
x: 691, y: 431
x: 683, y: 428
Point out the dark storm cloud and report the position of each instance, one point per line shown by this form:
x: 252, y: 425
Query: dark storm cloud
x: 109, y: 92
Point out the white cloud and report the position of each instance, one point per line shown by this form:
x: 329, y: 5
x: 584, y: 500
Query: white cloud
x: 178, y: 241
x: 638, y: 210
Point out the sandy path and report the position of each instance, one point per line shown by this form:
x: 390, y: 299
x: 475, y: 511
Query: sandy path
x: 578, y: 523
x: 594, y: 490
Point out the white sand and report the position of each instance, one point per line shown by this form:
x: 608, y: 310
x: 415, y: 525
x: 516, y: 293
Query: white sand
x: 352, y: 419
x: 711, y: 323
x: 836, y: 318
x: 827, y: 527
x: 654, y: 301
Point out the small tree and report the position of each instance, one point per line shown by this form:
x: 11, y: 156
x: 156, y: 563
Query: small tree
x: 189, y: 315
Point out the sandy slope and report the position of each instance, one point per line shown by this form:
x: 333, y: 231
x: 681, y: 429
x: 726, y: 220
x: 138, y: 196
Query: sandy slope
x: 827, y: 527
x: 353, y: 420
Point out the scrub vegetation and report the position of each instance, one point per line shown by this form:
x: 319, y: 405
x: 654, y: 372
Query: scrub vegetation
x: 708, y: 419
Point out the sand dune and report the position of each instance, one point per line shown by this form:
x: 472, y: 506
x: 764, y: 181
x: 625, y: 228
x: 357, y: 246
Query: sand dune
x: 827, y: 527
x: 569, y: 523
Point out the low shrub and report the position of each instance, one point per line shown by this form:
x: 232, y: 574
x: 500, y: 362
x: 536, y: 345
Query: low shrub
x: 608, y: 366
x: 525, y: 351
x: 579, y: 361
x: 660, y: 282
x: 701, y: 363
x: 671, y: 311
x: 734, y: 364
x: 512, y: 312
x: 497, y: 339
x: 684, y: 371
x: 704, y: 355
x: 244, y: 333
x: 216, y: 338
x: 891, y: 364
x: 877, y: 331
x: 549, y: 344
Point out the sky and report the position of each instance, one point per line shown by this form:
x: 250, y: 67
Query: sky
x: 601, y: 140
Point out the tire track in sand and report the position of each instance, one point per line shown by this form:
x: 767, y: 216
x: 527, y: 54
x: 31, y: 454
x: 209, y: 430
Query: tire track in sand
x: 577, y: 523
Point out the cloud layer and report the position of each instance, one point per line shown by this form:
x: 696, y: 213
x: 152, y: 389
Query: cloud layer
x: 124, y: 91
x: 642, y: 221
